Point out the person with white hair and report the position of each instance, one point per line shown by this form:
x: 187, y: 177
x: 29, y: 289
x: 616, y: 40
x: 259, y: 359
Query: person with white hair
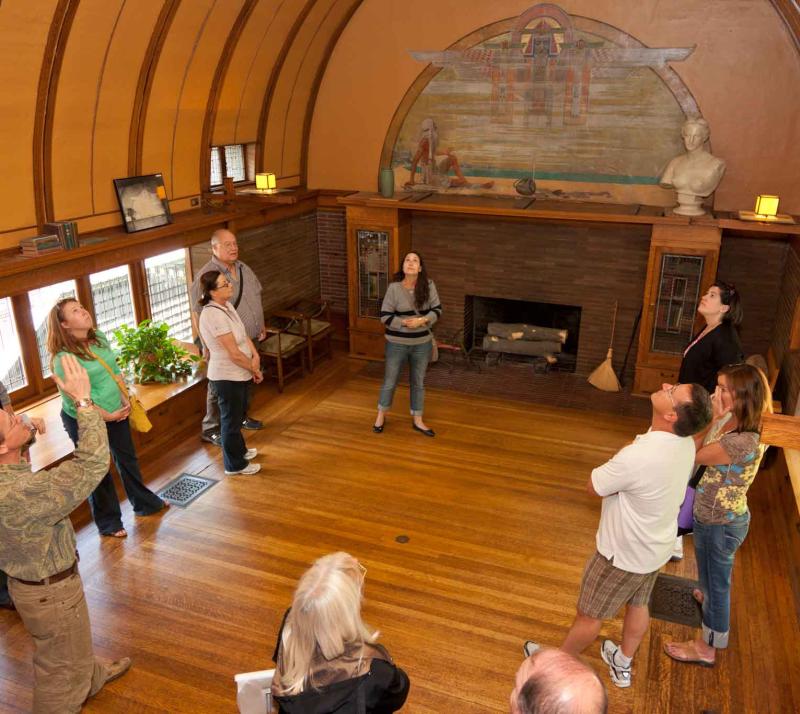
x: 696, y: 174
x: 327, y: 658
x: 435, y: 164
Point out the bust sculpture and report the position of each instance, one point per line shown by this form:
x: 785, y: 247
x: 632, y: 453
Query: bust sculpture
x: 696, y: 174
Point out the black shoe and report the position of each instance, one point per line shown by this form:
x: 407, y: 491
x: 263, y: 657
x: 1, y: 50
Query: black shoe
x: 215, y: 439
x: 252, y: 424
x: 378, y: 429
x: 427, y: 432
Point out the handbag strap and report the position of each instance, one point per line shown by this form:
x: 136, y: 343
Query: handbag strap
x: 241, y: 288
x: 122, y: 388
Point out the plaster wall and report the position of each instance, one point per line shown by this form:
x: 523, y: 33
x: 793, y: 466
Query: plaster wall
x: 743, y: 75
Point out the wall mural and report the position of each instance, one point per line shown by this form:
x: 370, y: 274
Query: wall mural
x: 554, y: 105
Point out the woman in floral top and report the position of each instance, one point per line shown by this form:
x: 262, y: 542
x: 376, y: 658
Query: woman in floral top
x: 732, y: 454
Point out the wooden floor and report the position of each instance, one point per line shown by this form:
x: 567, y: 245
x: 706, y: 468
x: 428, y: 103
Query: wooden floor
x: 498, y: 524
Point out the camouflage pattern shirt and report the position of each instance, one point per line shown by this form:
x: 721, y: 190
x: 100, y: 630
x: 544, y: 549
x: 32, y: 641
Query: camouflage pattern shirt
x: 36, y: 535
x: 722, y: 492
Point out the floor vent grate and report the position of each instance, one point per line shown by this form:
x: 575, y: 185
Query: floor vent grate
x: 182, y: 490
x: 672, y: 600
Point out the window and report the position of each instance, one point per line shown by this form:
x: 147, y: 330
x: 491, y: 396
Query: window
x: 42, y: 301
x: 234, y: 160
x: 169, y: 295
x: 113, y: 302
x: 11, y: 372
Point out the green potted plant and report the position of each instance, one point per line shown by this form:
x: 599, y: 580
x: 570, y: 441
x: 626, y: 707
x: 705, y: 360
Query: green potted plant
x: 151, y: 354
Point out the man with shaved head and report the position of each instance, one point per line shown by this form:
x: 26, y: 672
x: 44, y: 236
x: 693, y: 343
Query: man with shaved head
x: 551, y: 681
x: 246, y: 300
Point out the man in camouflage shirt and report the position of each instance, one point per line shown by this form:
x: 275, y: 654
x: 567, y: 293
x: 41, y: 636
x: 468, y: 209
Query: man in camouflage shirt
x: 37, y: 550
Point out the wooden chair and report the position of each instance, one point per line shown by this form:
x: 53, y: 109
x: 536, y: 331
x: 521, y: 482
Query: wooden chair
x: 283, y: 349
x: 314, y: 324
x: 453, y: 344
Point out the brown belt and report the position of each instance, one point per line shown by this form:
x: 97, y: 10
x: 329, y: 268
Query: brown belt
x: 71, y: 570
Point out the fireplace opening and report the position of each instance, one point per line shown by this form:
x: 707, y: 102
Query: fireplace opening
x: 480, y: 311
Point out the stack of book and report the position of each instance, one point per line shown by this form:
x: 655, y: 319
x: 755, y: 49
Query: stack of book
x: 67, y: 231
x: 41, y: 245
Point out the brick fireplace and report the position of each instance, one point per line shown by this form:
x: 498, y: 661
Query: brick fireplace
x: 584, y: 265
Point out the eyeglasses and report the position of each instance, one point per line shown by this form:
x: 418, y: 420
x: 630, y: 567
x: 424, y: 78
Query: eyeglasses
x: 226, y: 284
x: 670, y: 392
x: 363, y: 572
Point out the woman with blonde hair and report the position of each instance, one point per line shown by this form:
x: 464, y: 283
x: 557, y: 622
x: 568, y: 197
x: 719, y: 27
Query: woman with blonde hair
x: 70, y: 330
x: 327, y: 658
x: 731, y: 453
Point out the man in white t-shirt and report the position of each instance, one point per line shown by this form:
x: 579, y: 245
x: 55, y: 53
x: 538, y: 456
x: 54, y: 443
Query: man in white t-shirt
x: 642, y: 487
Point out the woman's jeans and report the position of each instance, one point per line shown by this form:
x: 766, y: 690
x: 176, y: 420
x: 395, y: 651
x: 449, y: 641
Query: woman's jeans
x: 418, y: 357
x: 103, y: 500
x: 715, y: 547
x: 232, y: 399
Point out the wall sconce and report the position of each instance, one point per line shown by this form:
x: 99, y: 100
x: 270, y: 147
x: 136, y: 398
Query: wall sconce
x: 766, y: 211
x: 266, y: 182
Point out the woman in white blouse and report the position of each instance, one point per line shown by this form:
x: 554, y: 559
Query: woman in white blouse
x: 233, y: 361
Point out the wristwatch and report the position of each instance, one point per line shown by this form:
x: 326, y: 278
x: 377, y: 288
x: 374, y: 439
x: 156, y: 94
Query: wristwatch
x: 83, y: 403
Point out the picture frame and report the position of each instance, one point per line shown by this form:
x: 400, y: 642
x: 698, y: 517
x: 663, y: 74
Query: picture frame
x: 143, y: 202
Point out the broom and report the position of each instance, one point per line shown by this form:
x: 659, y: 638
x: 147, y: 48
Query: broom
x: 604, y: 377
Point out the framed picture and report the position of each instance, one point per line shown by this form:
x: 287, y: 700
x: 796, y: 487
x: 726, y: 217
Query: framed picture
x: 143, y: 202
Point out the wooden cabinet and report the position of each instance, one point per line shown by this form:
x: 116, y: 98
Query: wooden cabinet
x: 681, y: 267
x: 377, y: 241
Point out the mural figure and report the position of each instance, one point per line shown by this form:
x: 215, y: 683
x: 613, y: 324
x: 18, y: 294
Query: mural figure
x: 696, y: 174
x: 436, y: 164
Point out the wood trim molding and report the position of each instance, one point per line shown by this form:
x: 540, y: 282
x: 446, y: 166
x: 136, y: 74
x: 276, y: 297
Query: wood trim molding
x: 273, y: 80
x: 216, y: 90
x: 312, y: 97
x: 45, y: 106
x: 789, y: 12
x: 145, y: 84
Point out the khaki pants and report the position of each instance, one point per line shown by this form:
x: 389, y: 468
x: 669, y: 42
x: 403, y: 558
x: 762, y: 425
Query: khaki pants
x: 65, y: 669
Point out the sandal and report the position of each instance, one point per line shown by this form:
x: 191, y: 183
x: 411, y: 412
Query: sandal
x: 121, y: 533
x: 689, y: 654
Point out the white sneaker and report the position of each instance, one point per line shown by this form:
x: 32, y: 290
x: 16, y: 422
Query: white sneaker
x: 677, y: 550
x: 250, y: 454
x: 621, y: 676
x: 247, y: 470
x: 530, y: 647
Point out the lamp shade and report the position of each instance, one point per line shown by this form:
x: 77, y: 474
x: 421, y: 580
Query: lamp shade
x: 262, y: 182
x: 767, y: 205
x: 272, y: 182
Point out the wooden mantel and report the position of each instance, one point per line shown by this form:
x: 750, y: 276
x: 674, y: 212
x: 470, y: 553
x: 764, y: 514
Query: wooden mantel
x: 528, y: 209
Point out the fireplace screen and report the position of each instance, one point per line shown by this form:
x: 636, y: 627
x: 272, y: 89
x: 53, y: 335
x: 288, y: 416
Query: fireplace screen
x: 373, y: 271
x: 678, y: 292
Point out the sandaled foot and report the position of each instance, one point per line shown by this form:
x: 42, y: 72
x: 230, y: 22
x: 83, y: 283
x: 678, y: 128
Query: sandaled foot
x: 121, y: 533
x: 687, y: 652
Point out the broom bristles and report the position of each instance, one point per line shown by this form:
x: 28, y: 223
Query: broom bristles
x: 604, y: 377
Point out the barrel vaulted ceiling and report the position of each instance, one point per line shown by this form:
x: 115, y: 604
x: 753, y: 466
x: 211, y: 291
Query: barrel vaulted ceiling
x: 100, y: 89
x: 103, y: 89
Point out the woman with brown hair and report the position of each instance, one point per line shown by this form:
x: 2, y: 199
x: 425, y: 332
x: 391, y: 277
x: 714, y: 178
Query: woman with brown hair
x: 410, y: 308
x: 70, y: 330
x: 731, y: 453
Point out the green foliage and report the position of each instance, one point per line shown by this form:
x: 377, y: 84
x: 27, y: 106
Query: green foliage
x: 151, y: 354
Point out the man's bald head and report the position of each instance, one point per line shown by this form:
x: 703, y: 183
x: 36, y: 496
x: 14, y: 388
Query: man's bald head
x: 224, y: 246
x: 553, y: 682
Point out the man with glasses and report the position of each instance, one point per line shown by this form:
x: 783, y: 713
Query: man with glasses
x: 642, y: 488
x: 246, y: 300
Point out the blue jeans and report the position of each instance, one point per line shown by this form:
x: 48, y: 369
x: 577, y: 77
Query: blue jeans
x: 232, y: 399
x: 418, y: 357
x: 715, y: 547
x: 103, y: 500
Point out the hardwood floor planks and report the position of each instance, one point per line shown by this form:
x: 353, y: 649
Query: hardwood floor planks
x: 499, y: 526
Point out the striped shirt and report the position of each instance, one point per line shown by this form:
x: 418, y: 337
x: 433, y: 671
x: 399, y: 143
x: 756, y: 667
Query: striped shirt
x: 398, y: 304
x: 249, y: 308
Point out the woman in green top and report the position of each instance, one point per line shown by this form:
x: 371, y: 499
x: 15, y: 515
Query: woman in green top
x: 70, y: 330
